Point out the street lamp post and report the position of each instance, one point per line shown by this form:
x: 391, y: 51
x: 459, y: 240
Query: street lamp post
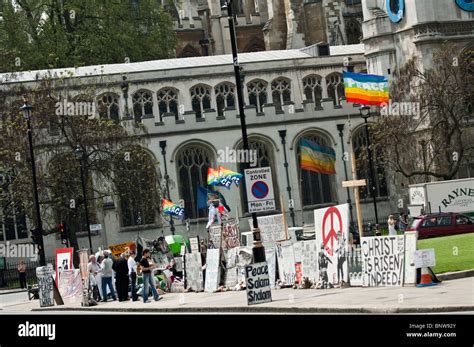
x: 163, y: 152
x: 258, y: 250
x: 26, y: 109
x: 340, y: 128
x: 365, y: 113
x: 80, y: 157
x: 288, y: 186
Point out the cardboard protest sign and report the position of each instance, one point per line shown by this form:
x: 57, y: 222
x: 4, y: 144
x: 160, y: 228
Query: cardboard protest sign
x: 212, y: 270
x: 270, y: 256
x: 410, y: 249
x: 258, y: 284
x: 194, y: 241
x: 230, y: 234
x: 425, y: 258
x: 332, y: 235
x: 354, y: 263
x: 286, y: 262
x: 215, y: 234
x: 45, y: 276
x: 231, y: 277
x: 124, y: 247
x: 63, y: 260
x: 194, y: 276
x: 382, y: 260
x: 70, y: 285
x: 309, y: 263
x: 272, y: 229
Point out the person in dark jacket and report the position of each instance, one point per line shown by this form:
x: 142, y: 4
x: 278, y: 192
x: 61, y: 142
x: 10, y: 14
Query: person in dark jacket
x: 121, y: 277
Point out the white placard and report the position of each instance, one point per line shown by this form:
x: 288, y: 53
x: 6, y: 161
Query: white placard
x: 194, y: 244
x: 332, y: 232
x: 410, y: 249
x: 194, y: 275
x: 212, y: 270
x: 309, y: 262
x: 215, y: 235
x: 258, y: 284
x: 382, y: 260
x: 425, y: 258
x: 286, y: 262
x: 259, y: 186
x: 231, y: 277
x: 270, y: 256
x: 45, y: 274
x: 272, y: 229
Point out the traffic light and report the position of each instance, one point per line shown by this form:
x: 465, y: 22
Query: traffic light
x: 63, y: 232
x: 34, y: 236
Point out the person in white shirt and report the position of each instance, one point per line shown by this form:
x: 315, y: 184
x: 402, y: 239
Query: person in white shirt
x: 391, y: 225
x: 132, y: 270
x: 94, y: 268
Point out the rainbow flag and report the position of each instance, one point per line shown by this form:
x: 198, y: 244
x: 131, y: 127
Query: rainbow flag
x: 317, y: 158
x: 172, y: 209
x: 212, y: 177
x: 365, y: 89
x: 227, y: 177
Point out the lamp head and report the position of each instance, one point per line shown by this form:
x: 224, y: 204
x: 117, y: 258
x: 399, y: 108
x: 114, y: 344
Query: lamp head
x: 79, y: 152
x: 364, y: 111
x: 340, y: 127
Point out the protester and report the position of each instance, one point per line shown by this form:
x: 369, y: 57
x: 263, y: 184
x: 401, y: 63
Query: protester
x: 107, y: 273
x: 22, y: 274
x: 121, y: 277
x: 148, y: 278
x: 132, y: 271
x: 391, y: 225
x: 94, y: 268
x: 402, y: 222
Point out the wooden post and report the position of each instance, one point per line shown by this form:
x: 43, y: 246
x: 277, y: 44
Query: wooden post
x: 284, y: 217
x: 355, y: 184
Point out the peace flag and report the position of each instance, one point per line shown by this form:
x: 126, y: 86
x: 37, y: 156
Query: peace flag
x: 170, y: 208
x: 317, y: 158
x: 365, y: 89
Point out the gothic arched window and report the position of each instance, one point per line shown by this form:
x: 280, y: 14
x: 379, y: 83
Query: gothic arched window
x: 225, y: 96
x: 362, y: 165
x: 281, y: 92
x: 136, y: 181
x: 353, y: 32
x: 192, y: 163
x: 109, y: 106
x: 316, y: 188
x: 142, y: 104
x: 257, y: 90
x: 335, y: 87
x: 201, y: 99
x: 167, y: 102
x: 312, y: 88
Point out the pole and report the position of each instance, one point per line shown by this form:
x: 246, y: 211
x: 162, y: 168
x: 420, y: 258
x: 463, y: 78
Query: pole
x: 340, y: 128
x: 26, y: 108
x: 258, y: 249
x: 86, y: 206
x: 288, y: 186
x: 372, y: 176
x: 284, y: 217
x: 163, y: 152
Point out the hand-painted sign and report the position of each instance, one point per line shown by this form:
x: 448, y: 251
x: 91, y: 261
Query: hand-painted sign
x: 258, y: 284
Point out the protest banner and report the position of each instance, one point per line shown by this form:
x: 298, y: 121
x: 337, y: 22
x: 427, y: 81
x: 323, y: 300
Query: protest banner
x: 332, y: 235
x: 309, y: 263
x: 70, y: 285
x: 63, y: 260
x: 124, y: 247
x: 258, y: 284
x: 272, y: 229
x: 270, y: 256
x: 230, y: 234
x: 212, y: 270
x: 354, y: 263
x: 425, y: 258
x: 382, y: 260
x: 194, y: 241
x: 286, y: 262
x: 45, y: 276
x: 215, y: 234
x: 194, y: 275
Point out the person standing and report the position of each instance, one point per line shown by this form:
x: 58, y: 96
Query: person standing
x: 93, y: 267
x: 132, y: 271
x: 391, y: 225
x: 402, y: 222
x: 107, y: 273
x: 121, y: 277
x: 148, y: 279
x: 22, y: 274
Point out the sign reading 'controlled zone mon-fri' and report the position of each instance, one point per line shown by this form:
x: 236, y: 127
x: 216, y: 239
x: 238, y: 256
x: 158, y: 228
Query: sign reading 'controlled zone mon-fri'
x: 258, y: 283
x: 259, y: 186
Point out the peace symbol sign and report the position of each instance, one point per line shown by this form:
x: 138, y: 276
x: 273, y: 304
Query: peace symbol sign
x: 331, y: 235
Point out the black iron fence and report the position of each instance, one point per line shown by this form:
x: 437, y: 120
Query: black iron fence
x: 9, y: 276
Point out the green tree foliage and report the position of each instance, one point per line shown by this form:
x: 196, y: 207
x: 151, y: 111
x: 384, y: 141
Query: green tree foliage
x: 44, y: 34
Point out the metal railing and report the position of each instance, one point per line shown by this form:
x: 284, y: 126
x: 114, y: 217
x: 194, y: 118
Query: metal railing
x: 9, y: 276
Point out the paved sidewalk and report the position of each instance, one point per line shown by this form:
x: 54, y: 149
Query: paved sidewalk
x: 450, y: 296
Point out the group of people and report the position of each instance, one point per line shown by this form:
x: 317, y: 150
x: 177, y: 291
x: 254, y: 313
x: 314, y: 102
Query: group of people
x: 401, y: 223
x: 125, y: 268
